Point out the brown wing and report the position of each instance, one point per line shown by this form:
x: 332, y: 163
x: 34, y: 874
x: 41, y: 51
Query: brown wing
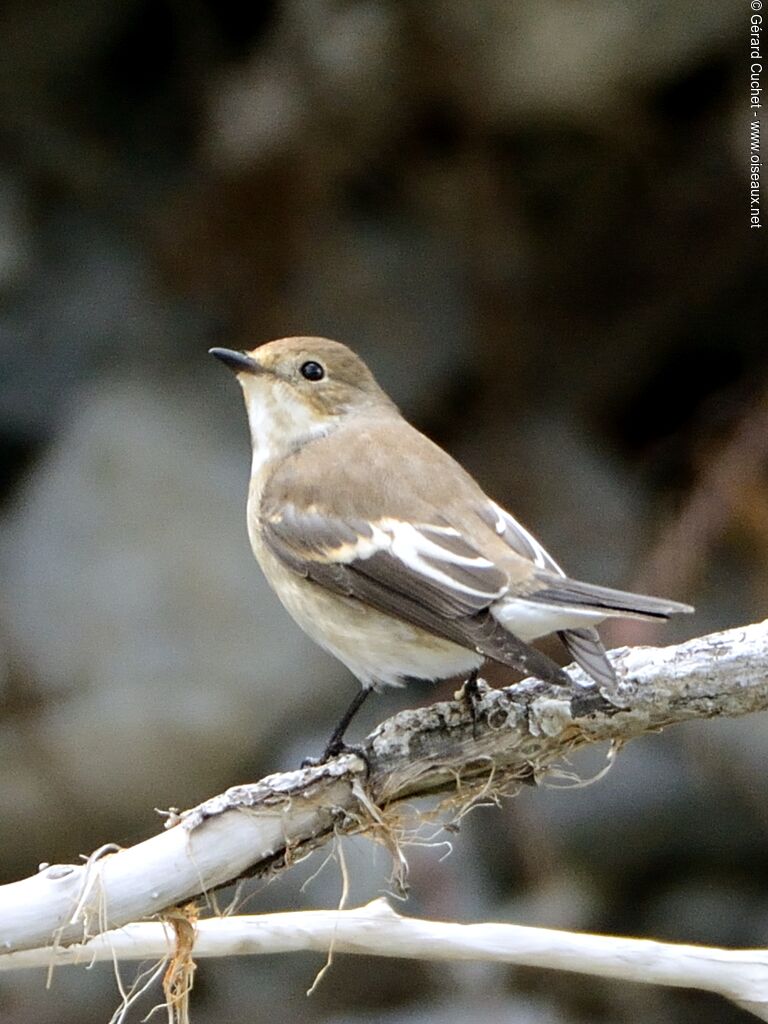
x: 424, y: 574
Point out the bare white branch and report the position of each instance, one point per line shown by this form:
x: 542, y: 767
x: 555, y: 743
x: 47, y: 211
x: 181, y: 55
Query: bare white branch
x: 522, y: 733
x: 376, y: 930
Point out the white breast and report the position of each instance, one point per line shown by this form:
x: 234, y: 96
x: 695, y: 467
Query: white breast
x: 379, y: 650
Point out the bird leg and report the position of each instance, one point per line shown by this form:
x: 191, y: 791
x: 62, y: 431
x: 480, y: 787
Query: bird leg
x: 336, y: 744
x: 470, y: 694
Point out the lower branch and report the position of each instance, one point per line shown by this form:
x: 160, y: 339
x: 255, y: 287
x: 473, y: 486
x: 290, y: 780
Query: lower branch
x: 376, y: 930
x: 520, y: 734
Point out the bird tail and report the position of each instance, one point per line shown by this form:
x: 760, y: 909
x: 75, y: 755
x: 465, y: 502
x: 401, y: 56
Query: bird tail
x: 584, y: 643
x: 586, y: 648
x: 560, y: 590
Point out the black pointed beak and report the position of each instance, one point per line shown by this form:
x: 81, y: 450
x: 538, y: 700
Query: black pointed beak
x: 238, y: 362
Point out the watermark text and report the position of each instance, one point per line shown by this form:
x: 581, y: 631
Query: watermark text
x: 755, y: 106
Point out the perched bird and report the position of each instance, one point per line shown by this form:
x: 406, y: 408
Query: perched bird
x: 388, y: 553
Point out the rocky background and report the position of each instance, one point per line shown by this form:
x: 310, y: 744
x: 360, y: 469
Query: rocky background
x: 531, y: 219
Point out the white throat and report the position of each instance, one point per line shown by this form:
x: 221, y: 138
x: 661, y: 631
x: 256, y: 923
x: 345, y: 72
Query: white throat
x: 278, y: 421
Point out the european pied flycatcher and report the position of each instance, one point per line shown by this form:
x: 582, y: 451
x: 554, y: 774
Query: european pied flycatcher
x: 384, y: 550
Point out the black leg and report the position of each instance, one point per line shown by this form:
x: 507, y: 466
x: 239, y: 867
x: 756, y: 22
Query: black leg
x: 336, y: 744
x: 471, y: 694
x: 471, y: 689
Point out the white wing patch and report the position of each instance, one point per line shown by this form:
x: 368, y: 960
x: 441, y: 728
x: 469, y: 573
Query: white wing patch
x: 410, y: 545
x: 423, y: 562
x: 520, y: 540
x: 438, y: 554
x: 362, y: 548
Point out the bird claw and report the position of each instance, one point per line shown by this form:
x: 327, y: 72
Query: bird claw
x: 471, y: 693
x: 336, y: 749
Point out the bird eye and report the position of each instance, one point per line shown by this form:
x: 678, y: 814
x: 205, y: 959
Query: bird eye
x: 312, y: 370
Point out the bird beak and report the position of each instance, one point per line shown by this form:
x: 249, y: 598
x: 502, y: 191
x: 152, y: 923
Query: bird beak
x: 238, y: 362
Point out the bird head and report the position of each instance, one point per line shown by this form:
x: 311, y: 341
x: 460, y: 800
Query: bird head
x: 299, y: 388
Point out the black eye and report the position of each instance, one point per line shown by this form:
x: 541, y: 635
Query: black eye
x: 312, y: 370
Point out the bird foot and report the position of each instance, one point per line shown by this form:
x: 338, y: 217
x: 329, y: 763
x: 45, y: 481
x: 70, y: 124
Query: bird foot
x: 471, y: 693
x: 336, y: 749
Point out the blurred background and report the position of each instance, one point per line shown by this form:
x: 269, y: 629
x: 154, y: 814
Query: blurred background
x: 531, y: 220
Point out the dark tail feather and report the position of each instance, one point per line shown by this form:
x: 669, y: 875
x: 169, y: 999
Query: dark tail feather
x: 490, y: 638
x: 564, y: 591
x: 586, y: 649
